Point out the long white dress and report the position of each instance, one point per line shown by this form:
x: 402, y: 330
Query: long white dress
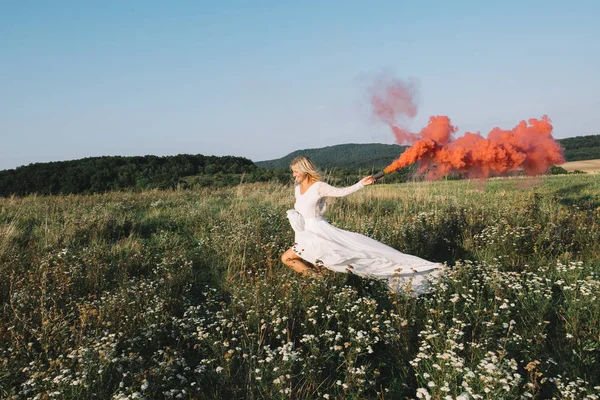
x: 321, y: 243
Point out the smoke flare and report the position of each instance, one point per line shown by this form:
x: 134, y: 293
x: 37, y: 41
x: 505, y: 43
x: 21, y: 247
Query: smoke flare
x: 528, y: 146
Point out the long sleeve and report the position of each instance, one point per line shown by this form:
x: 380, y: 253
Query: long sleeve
x: 325, y: 190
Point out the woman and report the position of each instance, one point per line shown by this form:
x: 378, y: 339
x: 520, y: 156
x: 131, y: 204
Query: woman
x: 321, y: 244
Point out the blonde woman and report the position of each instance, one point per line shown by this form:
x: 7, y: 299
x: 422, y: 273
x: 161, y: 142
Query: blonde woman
x: 321, y: 244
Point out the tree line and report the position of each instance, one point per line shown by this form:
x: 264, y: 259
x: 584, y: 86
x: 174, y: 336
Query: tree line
x: 341, y: 164
x: 376, y: 155
x: 101, y: 174
x: 581, y: 147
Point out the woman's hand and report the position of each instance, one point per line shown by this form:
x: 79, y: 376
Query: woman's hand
x: 368, y: 180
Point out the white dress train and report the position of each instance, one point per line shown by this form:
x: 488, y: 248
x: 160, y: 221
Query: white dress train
x: 320, y: 243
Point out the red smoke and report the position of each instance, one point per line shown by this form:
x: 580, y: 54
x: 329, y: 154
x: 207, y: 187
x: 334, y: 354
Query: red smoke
x: 528, y: 146
x: 392, y: 100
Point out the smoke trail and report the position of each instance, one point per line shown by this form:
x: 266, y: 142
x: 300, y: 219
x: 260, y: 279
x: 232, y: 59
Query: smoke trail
x: 392, y: 101
x: 528, y: 146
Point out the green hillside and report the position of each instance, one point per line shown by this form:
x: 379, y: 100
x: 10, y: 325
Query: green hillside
x: 101, y: 174
x: 345, y: 156
x: 377, y: 155
x: 581, y: 147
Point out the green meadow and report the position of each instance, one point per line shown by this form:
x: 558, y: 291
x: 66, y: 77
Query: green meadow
x: 182, y: 295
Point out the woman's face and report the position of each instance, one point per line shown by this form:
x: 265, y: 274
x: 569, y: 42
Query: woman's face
x: 298, y: 176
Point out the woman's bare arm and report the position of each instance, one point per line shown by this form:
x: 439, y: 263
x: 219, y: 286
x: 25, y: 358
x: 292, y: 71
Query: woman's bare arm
x: 326, y: 190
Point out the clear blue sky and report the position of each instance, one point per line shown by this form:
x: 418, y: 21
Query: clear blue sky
x: 260, y: 79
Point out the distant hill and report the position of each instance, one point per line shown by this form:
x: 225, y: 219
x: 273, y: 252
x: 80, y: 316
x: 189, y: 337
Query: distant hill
x: 377, y: 155
x: 100, y: 174
x: 580, y: 148
x: 344, y: 156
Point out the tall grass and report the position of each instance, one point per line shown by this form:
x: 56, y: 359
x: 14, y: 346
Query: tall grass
x: 181, y: 294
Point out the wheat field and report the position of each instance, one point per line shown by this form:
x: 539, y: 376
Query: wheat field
x: 587, y: 166
x: 182, y: 295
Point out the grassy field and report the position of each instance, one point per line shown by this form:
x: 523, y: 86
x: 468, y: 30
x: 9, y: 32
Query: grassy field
x: 182, y: 294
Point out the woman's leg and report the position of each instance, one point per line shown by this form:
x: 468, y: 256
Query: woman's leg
x: 296, y: 263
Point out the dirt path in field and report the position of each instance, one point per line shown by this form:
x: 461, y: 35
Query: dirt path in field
x: 589, y: 166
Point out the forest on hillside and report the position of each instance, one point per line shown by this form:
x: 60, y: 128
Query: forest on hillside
x: 581, y: 147
x: 343, y: 156
x: 342, y: 164
x: 102, y: 174
x: 377, y: 155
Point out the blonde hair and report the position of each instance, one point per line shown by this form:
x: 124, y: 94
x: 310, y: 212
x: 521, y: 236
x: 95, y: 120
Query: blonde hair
x: 306, y: 166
